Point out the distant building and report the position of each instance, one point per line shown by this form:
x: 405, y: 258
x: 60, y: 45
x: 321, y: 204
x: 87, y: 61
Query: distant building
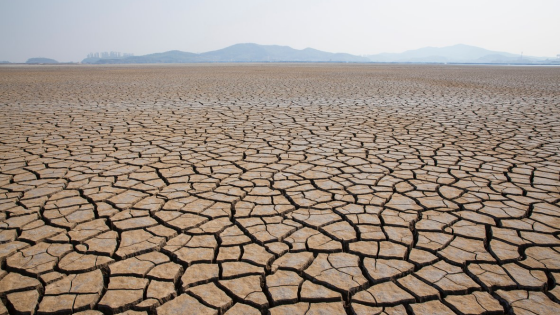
x: 109, y: 55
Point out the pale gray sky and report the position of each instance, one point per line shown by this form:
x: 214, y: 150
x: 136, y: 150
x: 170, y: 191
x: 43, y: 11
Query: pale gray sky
x: 68, y: 30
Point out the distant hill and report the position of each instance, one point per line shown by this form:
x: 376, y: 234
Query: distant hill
x: 41, y: 60
x: 173, y: 56
x: 275, y: 53
x: 238, y: 53
x: 3, y: 61
x: 454, y: 54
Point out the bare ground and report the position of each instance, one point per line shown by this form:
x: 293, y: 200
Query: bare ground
x: 289, y: 189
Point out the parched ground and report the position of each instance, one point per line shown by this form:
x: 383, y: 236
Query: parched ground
x: 281, y: 189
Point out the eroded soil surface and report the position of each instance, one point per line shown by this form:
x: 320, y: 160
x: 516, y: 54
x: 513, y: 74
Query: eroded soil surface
x: 281, y: 189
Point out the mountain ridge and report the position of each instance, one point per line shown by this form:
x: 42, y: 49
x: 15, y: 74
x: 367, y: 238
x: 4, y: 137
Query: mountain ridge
x: 459, y: 53
x: 245, y: 52
x: 250, y: 52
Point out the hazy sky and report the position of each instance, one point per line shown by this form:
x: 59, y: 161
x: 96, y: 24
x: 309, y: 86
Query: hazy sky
x: 68, y: 30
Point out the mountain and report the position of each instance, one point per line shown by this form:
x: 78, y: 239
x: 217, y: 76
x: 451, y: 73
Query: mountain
x: 237, y: 53
x: 275, y: 53
x: 3, y: 61
x: 41, y: 60
x: 454, y: 54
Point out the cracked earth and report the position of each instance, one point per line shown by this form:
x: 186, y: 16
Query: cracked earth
x: 279, y: 189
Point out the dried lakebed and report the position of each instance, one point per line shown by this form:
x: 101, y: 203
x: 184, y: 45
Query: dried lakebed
x: 281, y: 189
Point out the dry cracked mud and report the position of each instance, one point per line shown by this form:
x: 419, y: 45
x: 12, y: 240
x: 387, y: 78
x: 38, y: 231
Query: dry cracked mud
x: 279, y: 189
